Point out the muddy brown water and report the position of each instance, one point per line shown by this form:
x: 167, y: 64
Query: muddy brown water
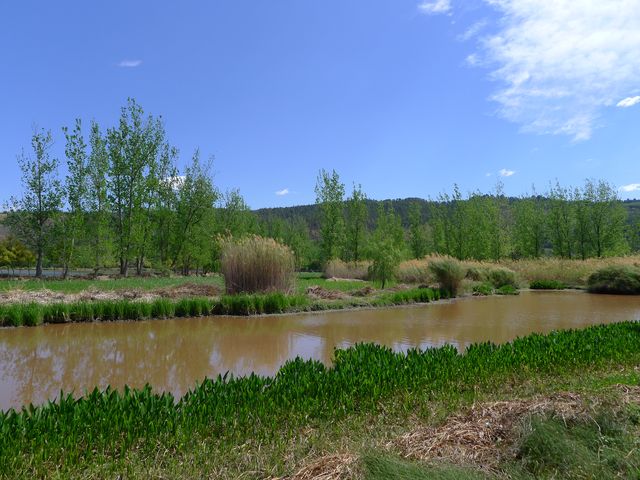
x: 173, y: 355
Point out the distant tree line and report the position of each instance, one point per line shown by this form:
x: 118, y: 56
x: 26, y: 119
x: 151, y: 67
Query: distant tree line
x: 124, y: 204
x: 581, y: 222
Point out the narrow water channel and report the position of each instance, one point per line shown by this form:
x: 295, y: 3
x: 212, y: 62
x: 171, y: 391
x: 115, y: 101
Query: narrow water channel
x: 172, y: 355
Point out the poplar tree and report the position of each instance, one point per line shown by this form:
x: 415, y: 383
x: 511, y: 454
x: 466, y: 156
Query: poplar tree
x: 75, y: 195
x: 195, y: 200
x: 98, y: 218
x: 417, y: 231
x: 32, y: 217
x: 330, y: 197
x: 356, y: 223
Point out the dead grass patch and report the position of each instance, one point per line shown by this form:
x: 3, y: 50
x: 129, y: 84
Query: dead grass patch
x: 484, y: 434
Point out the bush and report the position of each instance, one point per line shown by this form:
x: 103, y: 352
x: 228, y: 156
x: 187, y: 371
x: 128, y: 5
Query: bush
x: 623, y: 280
x: 255, y: 264
x: 547, y: 285
x: 507, y: 290
x: 500, y: 277
x: 449, y: 274
x: 483, y: 289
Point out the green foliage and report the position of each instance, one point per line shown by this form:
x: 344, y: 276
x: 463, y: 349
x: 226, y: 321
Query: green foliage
x: 356, y: 224
x: 547, y: 285
x: 32, y: 217
x: 330, y: 198
x: 104, y: 424
x: 387, y: 246
x: 623, y: 280
x: 255, y: 264
x: 507, y: 290
x: 449, y: 274
x: 483, y: 289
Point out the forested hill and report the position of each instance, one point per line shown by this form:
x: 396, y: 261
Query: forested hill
x: 310, y: 213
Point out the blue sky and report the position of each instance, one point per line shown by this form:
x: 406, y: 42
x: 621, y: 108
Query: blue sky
x: 406, y: 97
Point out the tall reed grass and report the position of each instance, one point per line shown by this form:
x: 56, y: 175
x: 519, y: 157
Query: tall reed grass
x: 255, y: 264
x: 336, y: 268
x: 449, y: 273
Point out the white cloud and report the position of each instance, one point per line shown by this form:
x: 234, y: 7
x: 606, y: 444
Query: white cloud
x: 628, y: 102
x: 632, y: 187
x: 560, y: 62
x: 506, y: 173
x: 130, y: 63
x: 487, y: 174
x: 473, y: 30
x: 435, y: 6
x: 281, y: 193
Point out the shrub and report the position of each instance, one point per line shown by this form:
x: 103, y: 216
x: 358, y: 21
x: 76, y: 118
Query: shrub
x: 624, y: 280
x: 507, y: 290
x: 449, y: 274
x: 547, y: 285
x: 483, y: 289
x: 255, y: 264
x: 501, y: 276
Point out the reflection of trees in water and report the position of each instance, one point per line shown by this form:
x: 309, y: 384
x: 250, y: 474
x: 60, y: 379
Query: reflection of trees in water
x: 172, y: 355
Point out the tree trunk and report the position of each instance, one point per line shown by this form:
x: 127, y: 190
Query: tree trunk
x: 39, y: 264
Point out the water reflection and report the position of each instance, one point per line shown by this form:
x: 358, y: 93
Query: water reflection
x: 172, y: 355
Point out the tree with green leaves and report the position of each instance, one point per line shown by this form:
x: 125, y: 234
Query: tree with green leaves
x: 560, y: 220
x: 529, y: 229
x: 194, y: 207
x: 98, y: 218
x: 386, y: 248
x: 32, y: 218
x: 71, y: 223
x: 330, y: 197
x: 133, y: 147
x: 356, y: 223
x: 607, y: 218
x: 417, y: 231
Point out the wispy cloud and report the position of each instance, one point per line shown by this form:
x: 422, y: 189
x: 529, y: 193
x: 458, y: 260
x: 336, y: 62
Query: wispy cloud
x: 632, y: 187
x: 628, y: 102
x: 560, y: 63
x: 130, y: 63
x: 506, y: 173
x: 434, y: 7
x: 283, y: 192
x: 473, y: 30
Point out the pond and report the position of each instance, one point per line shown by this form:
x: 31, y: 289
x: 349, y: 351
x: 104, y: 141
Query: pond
x: 173, y: 355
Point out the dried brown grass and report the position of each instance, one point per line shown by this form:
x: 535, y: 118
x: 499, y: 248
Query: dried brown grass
x: 570, y: 272
x: 347, y: 270
x: 485, y: 434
